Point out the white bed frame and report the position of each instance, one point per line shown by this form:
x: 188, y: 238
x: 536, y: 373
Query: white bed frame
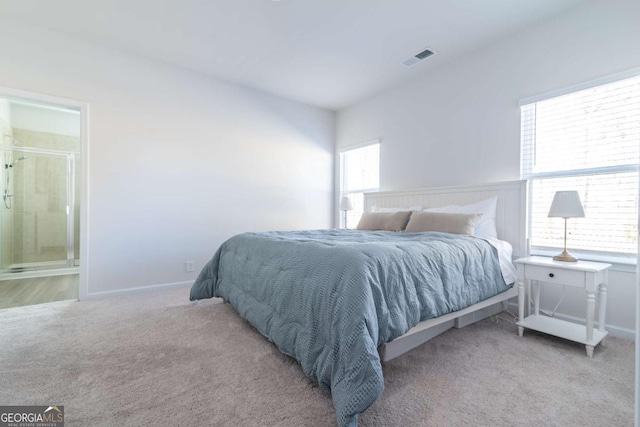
x: 511, y: 222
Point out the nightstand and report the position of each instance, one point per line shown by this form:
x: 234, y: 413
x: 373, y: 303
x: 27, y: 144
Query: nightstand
x: 591, y: 276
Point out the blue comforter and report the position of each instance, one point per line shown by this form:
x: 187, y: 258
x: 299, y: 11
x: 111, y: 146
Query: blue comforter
x: 330, y: 298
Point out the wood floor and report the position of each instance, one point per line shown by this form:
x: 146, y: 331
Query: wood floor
x: 38, y: 290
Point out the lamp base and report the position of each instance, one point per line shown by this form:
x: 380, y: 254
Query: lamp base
x: 565, y: 257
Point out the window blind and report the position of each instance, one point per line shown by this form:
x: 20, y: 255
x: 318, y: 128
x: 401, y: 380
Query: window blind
x: 587, y: 141
x: 359, y: 174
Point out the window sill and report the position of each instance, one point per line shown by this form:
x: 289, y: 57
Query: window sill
x: 626, y: 264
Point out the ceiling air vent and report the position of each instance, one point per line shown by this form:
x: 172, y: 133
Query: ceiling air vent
x: 418, y: 57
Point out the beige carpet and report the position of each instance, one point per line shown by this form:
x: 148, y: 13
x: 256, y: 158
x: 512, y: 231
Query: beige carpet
x: 156, y: 359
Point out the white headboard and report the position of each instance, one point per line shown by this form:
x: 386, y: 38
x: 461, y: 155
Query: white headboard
x: 511, y: 214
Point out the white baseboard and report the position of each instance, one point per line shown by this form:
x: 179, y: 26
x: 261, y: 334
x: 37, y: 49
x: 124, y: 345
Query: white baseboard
x: 616, y: 331
x: 137, y: 290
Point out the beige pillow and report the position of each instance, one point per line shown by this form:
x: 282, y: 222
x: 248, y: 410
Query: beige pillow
x: 384, y: 221
x: 443, y: 222
x: 486, y: 227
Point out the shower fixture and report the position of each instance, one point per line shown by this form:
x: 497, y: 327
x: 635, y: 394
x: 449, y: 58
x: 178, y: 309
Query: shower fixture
x: 8, y: 166
x: 19, y: 159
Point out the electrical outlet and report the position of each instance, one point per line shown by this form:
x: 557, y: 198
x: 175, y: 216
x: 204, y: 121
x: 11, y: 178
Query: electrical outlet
x: 188, y: 266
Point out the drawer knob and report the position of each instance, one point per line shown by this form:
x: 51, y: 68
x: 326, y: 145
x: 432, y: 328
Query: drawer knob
x: 550, y: 274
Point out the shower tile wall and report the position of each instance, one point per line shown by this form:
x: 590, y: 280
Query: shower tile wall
x: 39, y: 223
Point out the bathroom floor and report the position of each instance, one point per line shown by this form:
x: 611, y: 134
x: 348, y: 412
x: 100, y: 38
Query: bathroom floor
x: 38, y: 290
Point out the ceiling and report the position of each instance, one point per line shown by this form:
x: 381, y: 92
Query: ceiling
x: 327, y: 53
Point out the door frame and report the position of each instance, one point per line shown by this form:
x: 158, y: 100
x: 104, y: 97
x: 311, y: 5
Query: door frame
x: 83, y: 108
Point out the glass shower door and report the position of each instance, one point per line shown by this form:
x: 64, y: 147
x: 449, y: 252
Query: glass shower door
x: 35, y: 210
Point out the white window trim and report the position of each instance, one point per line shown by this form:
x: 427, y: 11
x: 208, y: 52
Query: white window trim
x: 620, y: 262
x: 338, y: 189
x: 634, y: 72
x: 358, y: 145
x: 585, y: 172
x: 624, y: 263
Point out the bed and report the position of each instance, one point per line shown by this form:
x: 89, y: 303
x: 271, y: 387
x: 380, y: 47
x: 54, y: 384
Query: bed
x: 342, y: 301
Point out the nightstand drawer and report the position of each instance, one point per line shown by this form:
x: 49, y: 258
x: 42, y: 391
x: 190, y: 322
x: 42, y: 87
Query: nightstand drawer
x: 555, y: 275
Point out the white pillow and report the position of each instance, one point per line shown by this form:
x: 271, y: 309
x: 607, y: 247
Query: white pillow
x: 487, y: 225
x: 411, y: 208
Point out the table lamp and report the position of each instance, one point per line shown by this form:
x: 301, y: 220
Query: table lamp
x: 566, y: 204
x: 345, y: 205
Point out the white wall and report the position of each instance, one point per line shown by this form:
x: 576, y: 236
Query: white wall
x: 460, y: 123
x: 178, y: 161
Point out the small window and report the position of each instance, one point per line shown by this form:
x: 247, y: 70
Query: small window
x: 588, y: 141
x: 359, y: 174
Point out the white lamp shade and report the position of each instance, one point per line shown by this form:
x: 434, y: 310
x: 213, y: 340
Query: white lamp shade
x: 345, y: 204
x: 566, y: 204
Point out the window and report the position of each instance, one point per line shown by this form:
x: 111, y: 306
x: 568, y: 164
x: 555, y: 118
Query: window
x: 588, y: 141
x: 359, y: 174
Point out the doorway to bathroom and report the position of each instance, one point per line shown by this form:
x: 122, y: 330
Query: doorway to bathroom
x: 39, y: 201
